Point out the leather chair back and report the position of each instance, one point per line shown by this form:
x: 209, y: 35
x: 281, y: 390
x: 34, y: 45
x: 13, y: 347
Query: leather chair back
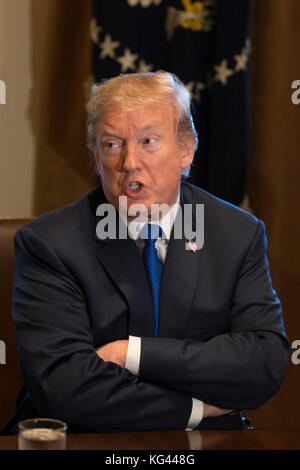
x: 10, y: 382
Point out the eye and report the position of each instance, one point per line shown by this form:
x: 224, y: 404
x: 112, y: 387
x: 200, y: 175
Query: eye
x: 111, y: 146
x: 149, y: 140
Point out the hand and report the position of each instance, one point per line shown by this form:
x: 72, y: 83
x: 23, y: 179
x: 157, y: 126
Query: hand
x: 116, y: 352
x: 210, y: 410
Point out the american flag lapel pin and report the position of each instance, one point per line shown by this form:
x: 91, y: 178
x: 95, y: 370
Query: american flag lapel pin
x: 192, y: 246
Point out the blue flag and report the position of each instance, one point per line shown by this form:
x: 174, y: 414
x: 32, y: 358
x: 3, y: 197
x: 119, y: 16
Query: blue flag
x: 205, y: 43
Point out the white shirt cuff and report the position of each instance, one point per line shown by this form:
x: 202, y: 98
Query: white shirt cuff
x: 196, y: 415
x: 133, y: 357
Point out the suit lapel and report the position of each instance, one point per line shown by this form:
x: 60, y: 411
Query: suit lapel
x: 178, y: 284
x: 123, y: 263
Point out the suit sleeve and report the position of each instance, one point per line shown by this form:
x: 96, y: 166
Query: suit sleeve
x: 240, y: 369
x: 60, y: 368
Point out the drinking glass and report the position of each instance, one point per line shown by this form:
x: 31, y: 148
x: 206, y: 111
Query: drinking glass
x: 42, y: 434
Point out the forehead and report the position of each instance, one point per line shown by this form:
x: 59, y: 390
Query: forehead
x: 138, y: 119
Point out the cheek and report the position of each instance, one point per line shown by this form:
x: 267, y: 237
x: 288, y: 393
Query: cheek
x: 106, y: 167
x: 171, y: 165
x: 168, y: 178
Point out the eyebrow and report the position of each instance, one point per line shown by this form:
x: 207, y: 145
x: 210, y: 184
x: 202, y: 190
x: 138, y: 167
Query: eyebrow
x: 152, y: 125
x: 108, y: 131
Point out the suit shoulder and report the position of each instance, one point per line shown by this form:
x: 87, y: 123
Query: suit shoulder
x: 227, y: 227
x: 58, y: 223
x: 218, y: 208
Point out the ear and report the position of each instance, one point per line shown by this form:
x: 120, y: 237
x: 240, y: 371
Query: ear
x: 187, y: 151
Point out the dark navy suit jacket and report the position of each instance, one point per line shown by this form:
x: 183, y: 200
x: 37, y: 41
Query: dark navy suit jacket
x: 221, y: 333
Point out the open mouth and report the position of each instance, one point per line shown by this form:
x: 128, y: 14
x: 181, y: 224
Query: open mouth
x: 134, y: 188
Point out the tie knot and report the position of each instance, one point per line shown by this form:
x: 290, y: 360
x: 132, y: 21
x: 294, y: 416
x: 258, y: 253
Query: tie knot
x: 151, y: 232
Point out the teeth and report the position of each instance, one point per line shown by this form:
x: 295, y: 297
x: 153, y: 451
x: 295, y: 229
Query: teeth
x: 134, y: 185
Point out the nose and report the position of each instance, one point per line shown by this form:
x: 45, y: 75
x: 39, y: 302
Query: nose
x: 131, y: 160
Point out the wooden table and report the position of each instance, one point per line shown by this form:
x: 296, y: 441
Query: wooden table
x: 257, y: 439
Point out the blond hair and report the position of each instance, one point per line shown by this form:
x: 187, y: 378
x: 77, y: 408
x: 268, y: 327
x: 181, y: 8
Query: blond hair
x: 129, y: 91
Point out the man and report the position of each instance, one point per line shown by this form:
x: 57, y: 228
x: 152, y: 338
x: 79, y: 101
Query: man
x: 108, y: 344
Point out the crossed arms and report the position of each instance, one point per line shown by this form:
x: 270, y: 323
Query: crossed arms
x: 116, y: 352
x: 68, y: 378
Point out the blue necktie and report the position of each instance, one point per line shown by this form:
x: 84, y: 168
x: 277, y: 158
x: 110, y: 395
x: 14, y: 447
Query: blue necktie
x: 152, y: 264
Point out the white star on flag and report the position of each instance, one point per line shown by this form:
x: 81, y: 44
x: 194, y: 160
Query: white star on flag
x: 127, y: 60
x: 143, y: 67
x: 144, y: 3
x: 199, y: 87
x: 223, y: 72
x: 241, y: 60
x: 108, y: 47
x: 194, y: 89
x: 94, y: 30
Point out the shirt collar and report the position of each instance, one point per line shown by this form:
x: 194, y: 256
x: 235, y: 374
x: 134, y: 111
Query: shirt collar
x: 166, y: 223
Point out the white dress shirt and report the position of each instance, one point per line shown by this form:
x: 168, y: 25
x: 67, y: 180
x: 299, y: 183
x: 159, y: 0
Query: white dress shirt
x: 134, y: 345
